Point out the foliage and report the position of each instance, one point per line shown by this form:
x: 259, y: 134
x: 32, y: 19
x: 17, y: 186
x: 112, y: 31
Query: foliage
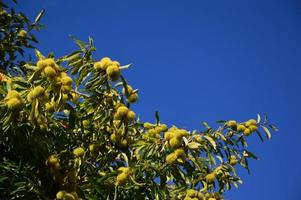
x: 15, y: 36
x: 68, y: 131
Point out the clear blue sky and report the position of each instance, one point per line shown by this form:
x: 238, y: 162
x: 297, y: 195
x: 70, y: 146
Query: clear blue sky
x: 201, y: 60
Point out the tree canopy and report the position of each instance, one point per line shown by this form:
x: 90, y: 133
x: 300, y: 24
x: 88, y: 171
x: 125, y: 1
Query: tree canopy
x: 68, y: 131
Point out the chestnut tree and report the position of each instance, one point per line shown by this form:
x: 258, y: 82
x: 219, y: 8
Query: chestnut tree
x: 68, y: 131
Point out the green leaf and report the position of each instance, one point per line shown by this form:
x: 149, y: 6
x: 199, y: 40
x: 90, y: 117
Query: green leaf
x: 243, y: 141
x: 265, y: 117
x: 212, y: 142
x: 206, y: 125
x: 259, y: 135
x: 71, y: 57
x: 124, y: 83
x: 91, y: 41
x: 221, y: 135
x: 125, y: 66
x: 157, y: 117
x: 33, y: 76
x: 266, y: 130
x: 273, y: 127
x: 249, y: 154
x: 38, y: 54
x: 125, y: 157
x: 40, y: 15
x: 79, y: 43
x: 258, y: 118
x: 193, y: 145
